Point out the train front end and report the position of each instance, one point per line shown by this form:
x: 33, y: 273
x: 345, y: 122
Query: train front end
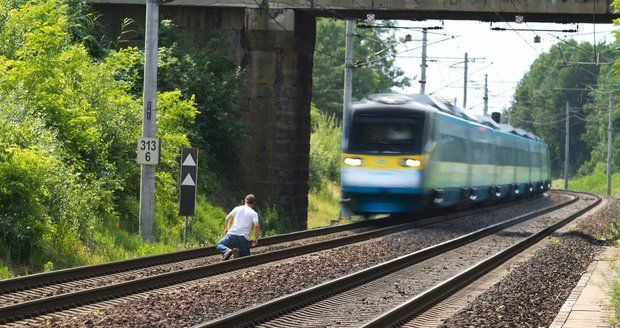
x: 383, y: 161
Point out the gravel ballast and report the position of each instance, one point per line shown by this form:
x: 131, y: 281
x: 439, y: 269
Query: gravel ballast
x: 354, y: 307
x: 534, y: 291
x: 196, y: 302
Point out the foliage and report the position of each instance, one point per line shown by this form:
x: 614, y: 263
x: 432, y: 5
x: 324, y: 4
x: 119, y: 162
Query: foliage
x: 273, y: 222
x: 201, y: 67
x: 595, y: 182
x: 323, y: 205
x: 68, y: 191
x: 325, y: 142
x: 4, y: 271
x: 598, y: 118
x: 539, y: 106
x: 371, y: 46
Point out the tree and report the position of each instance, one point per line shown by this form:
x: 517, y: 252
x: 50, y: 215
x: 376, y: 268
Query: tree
x: 540, y: 100
x: 68, y: 137
x: 374, y: 50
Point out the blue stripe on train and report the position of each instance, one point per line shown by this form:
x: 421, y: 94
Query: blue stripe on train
x: 382, y: 190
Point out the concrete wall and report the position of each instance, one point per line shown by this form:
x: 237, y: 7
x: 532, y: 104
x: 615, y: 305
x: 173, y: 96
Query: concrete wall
x: 487, y: 10
x: 275, y: 104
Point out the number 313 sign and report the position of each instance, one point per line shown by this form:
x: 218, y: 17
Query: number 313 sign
x: 148, y: 151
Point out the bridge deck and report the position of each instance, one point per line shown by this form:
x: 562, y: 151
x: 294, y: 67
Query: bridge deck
x: 574, y: 11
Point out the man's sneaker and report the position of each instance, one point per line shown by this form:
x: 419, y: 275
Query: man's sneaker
x: 235, y: 253
x: 228, y: 254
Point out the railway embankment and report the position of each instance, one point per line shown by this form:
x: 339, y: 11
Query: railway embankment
x: 534, y: 292
x: 522, y: 259
x: 206, y: 299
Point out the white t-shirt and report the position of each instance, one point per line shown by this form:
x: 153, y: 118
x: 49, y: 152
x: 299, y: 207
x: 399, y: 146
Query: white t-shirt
x: 244, y: 217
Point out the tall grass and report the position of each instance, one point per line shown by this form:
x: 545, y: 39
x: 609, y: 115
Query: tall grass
x: 596, y: 182
x: 323, y: 206
x: 325, y: 143
x: 324, y: 196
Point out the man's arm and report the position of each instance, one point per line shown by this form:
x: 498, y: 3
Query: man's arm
x: 229, y: 219
x: 256, y: 234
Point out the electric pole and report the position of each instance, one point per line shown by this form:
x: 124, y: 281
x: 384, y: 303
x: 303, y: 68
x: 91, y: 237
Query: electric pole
x: 486, y: 95
x: 149, y: 115
x: 465, y: 84
x: 609, y: 143
x: 348, y: 76
x: 345, y: 211
x: 566, y: 145
x: 423, y: 66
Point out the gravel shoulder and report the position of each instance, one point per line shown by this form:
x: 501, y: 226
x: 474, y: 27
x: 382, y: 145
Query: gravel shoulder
x: 534, y: 291
x: 193, y: 303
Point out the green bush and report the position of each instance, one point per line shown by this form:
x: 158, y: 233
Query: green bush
x: 325, y: 154
x: 274, y: 222
x: 68, y: 179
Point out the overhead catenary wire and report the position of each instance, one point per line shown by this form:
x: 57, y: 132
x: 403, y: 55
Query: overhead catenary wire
x: 460, y: 80
x: 509, y: 26
x: 370, y: 60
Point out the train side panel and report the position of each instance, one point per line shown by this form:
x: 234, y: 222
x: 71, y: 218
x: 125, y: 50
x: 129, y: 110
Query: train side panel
x: 449, y: 168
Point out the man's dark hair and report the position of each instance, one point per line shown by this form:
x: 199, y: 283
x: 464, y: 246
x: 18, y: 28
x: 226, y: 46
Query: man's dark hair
x: 250, y: 199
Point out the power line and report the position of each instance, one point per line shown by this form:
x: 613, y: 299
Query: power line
x: 503, y: 20
x: 369, y: 60
x: 578, y: 47
x: 460, y: 80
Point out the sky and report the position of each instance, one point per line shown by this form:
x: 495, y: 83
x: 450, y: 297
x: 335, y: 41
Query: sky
x: 504, y: 55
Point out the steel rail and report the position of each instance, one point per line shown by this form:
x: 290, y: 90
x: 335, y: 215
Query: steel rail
x: 89, y: 271
x: 406, y: 311
x: 95, y: 270
x: 288, y: 303
x: 63, y: 301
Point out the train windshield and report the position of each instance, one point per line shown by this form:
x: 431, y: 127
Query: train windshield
x: 387, y: 134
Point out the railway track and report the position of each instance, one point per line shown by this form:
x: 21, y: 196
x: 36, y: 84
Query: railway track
x: 405, y: 286
x: 29, y: 296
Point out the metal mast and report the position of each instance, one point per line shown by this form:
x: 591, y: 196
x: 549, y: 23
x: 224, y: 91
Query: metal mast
x: 348, y: 76
x: 465, y: 84
x: 609, y: 143
x: 423, y: 66
x: 486, y: 95
x: 566, y: 145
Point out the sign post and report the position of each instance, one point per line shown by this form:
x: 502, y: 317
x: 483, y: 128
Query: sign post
x: 187, y: 190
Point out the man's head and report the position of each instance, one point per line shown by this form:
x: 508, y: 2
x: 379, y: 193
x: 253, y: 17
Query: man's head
x: 250, y: 200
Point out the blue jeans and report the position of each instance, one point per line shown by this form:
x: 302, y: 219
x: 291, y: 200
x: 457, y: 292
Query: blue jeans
x: 233, y: 241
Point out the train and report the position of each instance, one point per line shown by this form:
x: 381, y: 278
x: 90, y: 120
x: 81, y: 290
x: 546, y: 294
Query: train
x: 408, y: 153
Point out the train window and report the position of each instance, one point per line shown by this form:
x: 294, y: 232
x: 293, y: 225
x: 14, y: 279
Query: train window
x: 388, y: 134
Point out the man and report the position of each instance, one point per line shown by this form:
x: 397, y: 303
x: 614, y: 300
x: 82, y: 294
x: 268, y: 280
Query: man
x: 236, y: 240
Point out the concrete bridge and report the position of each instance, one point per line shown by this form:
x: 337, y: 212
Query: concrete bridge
x: 274, y: 40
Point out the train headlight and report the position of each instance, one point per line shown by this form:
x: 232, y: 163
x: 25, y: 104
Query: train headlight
x: 353, y: 161
x: 411, y: 162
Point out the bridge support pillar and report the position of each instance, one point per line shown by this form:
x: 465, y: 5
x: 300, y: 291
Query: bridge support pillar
x: 275, y: 106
